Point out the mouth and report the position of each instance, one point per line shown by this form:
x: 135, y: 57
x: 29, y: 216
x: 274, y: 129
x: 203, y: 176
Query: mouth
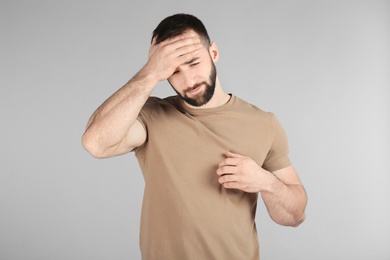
x: 195, y: 90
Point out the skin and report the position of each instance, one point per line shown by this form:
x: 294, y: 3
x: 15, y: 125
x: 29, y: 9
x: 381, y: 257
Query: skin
x: 185, y: 62
x: 281, y: 190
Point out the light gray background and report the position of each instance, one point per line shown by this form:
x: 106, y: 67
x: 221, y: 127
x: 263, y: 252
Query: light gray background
x: 321, y: 66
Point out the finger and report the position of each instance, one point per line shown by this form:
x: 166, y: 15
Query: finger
x: 230, y: 185
x: 188, y: 51
x: 229, y: 154
x: 183, y: 36
x: 183, y: 42
x: 180, y: 51
x: 180, y: 40
x: 227, y: 178
x: 154, y: 40
x: 229, y: 162
x: 226, y: 170
x: 176, y: 42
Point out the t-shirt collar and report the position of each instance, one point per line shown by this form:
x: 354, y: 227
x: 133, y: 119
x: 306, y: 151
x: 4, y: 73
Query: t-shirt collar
x: 204, y: 111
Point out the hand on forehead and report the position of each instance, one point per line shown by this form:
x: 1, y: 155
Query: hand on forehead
x: 185, y: 35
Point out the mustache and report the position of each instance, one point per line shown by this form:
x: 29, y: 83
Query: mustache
x: 195, y: 86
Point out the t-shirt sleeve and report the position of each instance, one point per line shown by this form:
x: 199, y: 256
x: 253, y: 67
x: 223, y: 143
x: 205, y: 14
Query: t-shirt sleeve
x: 146, y: 110
x: 143, y: 118
x: 277, y: 157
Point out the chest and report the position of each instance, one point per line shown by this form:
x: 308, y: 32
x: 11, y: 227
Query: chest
x: 210, y: 136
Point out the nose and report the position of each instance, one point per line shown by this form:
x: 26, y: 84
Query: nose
x: 188, y: 79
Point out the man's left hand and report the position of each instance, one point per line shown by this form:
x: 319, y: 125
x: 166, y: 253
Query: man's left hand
x: 240, y: 172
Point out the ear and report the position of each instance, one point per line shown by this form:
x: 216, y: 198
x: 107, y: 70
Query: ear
x: 214, y: 53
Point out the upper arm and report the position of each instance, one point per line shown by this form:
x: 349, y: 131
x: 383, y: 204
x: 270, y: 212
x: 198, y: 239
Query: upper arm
x: 136, y: 136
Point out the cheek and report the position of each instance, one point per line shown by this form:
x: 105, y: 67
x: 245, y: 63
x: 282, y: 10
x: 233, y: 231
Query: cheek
x: 173, y: 81
x: 174, y: 84
x: 179, y: 81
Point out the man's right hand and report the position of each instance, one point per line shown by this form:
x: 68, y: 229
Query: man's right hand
x: 166, y: 56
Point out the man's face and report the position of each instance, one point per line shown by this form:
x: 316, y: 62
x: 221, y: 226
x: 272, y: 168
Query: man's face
x: 194, y: 81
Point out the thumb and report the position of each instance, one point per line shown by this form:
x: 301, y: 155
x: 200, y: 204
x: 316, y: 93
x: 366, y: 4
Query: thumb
x: 229, y: 154
x: 154, y: 40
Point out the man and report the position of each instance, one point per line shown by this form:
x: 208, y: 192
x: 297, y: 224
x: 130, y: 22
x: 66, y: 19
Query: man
x: 205, y: 154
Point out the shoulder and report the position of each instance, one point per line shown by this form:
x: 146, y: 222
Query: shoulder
x: 258, y: 117
x: 154, y: 103
x: 248, y: 108
x: 156, y: 109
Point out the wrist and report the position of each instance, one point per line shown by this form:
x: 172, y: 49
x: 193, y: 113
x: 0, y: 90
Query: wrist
x: 269, y: 182
x: 152, y: 73
x: 146, y: 79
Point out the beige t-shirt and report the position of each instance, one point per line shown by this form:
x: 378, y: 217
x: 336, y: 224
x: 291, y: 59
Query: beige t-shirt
x: 186, y: 213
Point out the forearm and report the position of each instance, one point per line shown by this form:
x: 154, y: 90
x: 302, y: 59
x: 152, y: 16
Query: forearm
x: 285, y: 203
x: 110, y: 123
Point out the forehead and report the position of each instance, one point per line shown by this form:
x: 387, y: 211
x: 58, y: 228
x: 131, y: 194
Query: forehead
x: 189, y: 33
x: 192, y: 33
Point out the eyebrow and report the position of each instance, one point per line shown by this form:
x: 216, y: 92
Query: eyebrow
x: 191, y: 61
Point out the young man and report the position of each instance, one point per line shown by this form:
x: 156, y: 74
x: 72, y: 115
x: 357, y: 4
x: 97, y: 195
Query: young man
x: 205, y: 154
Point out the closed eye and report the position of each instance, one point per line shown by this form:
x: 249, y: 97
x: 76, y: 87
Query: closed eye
x: 193, y: 61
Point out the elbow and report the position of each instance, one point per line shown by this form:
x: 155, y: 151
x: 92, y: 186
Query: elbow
x: 300, y: 214
x: 92, y: 147
x: 297, y: 221
x: 291, y: 220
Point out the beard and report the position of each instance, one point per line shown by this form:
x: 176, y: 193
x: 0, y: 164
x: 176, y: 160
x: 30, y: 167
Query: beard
x: 203, y: 97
